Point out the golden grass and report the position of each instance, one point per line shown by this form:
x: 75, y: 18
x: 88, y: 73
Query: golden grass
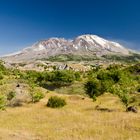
x: 78, y: 120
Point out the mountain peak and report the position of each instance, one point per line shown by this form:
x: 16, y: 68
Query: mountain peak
x: 82, y: 45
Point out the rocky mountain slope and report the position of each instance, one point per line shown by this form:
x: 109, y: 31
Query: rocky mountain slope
x: 89, y: 45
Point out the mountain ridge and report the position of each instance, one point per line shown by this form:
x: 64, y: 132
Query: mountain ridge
x: 91, y: 45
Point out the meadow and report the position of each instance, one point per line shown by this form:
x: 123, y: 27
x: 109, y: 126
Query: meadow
x: 78, y: 120
x: 91, y: 111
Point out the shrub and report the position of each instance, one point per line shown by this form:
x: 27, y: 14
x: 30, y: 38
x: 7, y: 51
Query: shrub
x: 77, y: 76
x: 17, y: 73
x: 1, y: 75
x: 57, y: 77
x: 125, y: 98
x: 113, y: 75
x: 3, y: 70
x: 56, y: 102
x: 114, y: 67
x: 63, y: 77
x: 105, y: 85
x: 2, y: 102
x: 138, y: 88
x: 97, y: 87
x: 116, y: 76
x: 93, y: 88
x: 103, y: 75
x: 94, y: 98
x: 11, y: 95
x: 36, y: 97
x: 134, y: 69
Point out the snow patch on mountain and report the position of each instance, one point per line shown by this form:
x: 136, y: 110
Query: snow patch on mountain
x: 39, y: 48
x: 82, y: 45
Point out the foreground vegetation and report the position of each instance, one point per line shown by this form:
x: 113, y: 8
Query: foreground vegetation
x: 78, y: 120
x: 123, y: 82
x: 86, y: 105
x: 120, y: 80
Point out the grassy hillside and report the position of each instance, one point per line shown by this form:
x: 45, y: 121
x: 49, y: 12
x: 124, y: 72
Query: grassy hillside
x: 78, y: 120
x: 71, y: 57
x: 95, y: 104
x: 132, y: 58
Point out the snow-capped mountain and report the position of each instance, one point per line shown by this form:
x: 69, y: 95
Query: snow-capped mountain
x: 82, y: 45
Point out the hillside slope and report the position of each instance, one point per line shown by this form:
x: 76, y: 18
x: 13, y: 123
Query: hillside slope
x: 78, y: 120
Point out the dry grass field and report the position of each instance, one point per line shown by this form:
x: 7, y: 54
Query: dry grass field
x: 78, y: 120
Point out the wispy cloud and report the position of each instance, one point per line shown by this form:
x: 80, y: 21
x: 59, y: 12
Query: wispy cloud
x: 128, y: 44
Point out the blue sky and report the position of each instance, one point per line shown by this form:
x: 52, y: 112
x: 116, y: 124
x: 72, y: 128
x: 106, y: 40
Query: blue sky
x: 23, y: 22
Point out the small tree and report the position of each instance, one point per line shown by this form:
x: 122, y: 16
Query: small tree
x: 93, y: 88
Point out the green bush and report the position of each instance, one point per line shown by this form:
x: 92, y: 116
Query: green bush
x: 113, y: 75
x: 93, y: 88
x: 63, y: 77
x: 97, y: 87
x: 11, y: 95
x: 36, y: 97
x: 114, y: 67
x: 104, y: 75
x: 77, y: 76
x: 138, y: 88
x: 59, y: 77
x: 115, y: 80
x: 125, y: 98
x: 54, y: 78
x: 94, y: 98
x: 3, y: 70
x: 2, y: 102
x: 17, y: 73
x: 134, y: 69
x: 106, y: 85
x: 56, y: 102
x: 1, y: 75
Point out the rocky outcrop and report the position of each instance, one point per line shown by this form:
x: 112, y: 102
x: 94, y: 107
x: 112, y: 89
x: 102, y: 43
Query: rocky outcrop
x: 20, y: 97
x: 132, y: 109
